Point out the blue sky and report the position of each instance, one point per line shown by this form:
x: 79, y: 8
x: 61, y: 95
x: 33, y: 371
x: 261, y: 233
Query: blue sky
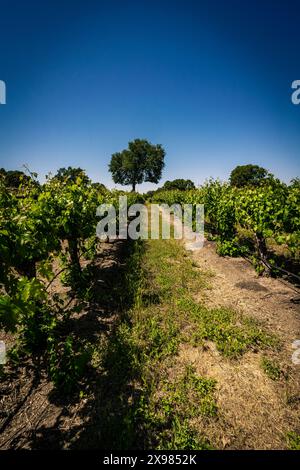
x: 210, y: 81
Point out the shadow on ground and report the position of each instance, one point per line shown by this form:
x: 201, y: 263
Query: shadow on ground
x: 99, y: 417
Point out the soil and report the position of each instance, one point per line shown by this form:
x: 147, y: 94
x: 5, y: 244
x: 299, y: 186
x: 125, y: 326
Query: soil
x: 255, y: 412
x: 32, y: 416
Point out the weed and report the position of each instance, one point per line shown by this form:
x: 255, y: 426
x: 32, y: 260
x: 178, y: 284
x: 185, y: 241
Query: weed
x: 293, y: 440
x: 182, y: 437
x: 233, y: 334
x: 190, y: 396
x: 67, y: 364
x: 271, y: 368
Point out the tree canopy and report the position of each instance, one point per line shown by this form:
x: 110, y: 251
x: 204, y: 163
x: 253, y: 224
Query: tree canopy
x: 248, y: 175
x: 181, y: 184
x: 15, y: 178
x: 295, y: 182
x: 141, y: 161
x: 99, y: 187
x: 71, y: 174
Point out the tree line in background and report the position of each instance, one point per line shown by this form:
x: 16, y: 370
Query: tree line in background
x: 143, y: 162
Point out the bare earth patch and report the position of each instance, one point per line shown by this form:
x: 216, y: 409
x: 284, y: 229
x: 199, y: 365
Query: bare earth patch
x: 236, y: 285
x: 255, y: 412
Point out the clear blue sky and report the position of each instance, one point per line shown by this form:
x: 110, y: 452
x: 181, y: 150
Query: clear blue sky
x: 209, y: 80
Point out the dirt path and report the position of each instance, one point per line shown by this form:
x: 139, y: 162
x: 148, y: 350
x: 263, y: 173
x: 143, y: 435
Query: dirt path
x: 255, y: 411
x: 237, y: 285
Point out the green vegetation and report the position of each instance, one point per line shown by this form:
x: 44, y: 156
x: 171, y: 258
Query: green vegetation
x: 293, y: 440
x: 71, y: 174
x: 271, y: 368
x: 13, y: 179
x: 42, y: 225
x: 248, y: 175
x: 268, y: 214
x: 157, y: 397
x: 189, y: 397
x: 232, y: 333
x: 142, y: 161
x: 180, y: 184
x: 164, y: 316
x: 151, y: 334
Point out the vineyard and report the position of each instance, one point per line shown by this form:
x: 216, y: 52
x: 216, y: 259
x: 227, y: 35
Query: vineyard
x: 106, y: 339
x: 244, y: 220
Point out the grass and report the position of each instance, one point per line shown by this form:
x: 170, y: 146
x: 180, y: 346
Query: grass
x: 183, y: 437
x: 145, y: 346
x: 189, y: 396
x: 232, y: 333
x: 164, y: 315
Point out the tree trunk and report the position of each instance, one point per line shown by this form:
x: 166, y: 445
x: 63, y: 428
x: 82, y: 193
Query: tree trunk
x: 133, y: 187
x: 261, y: 246
x: 73, y: 249
x: 28, y: 268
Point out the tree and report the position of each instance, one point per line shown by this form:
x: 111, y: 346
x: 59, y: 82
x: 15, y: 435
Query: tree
x: 248, y: 175
x: 142, y: 161
x: 71, y: 174
x: 14, y: 178
x: 99, y: 187
x: 295, y: 182
x: 181, y: 184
